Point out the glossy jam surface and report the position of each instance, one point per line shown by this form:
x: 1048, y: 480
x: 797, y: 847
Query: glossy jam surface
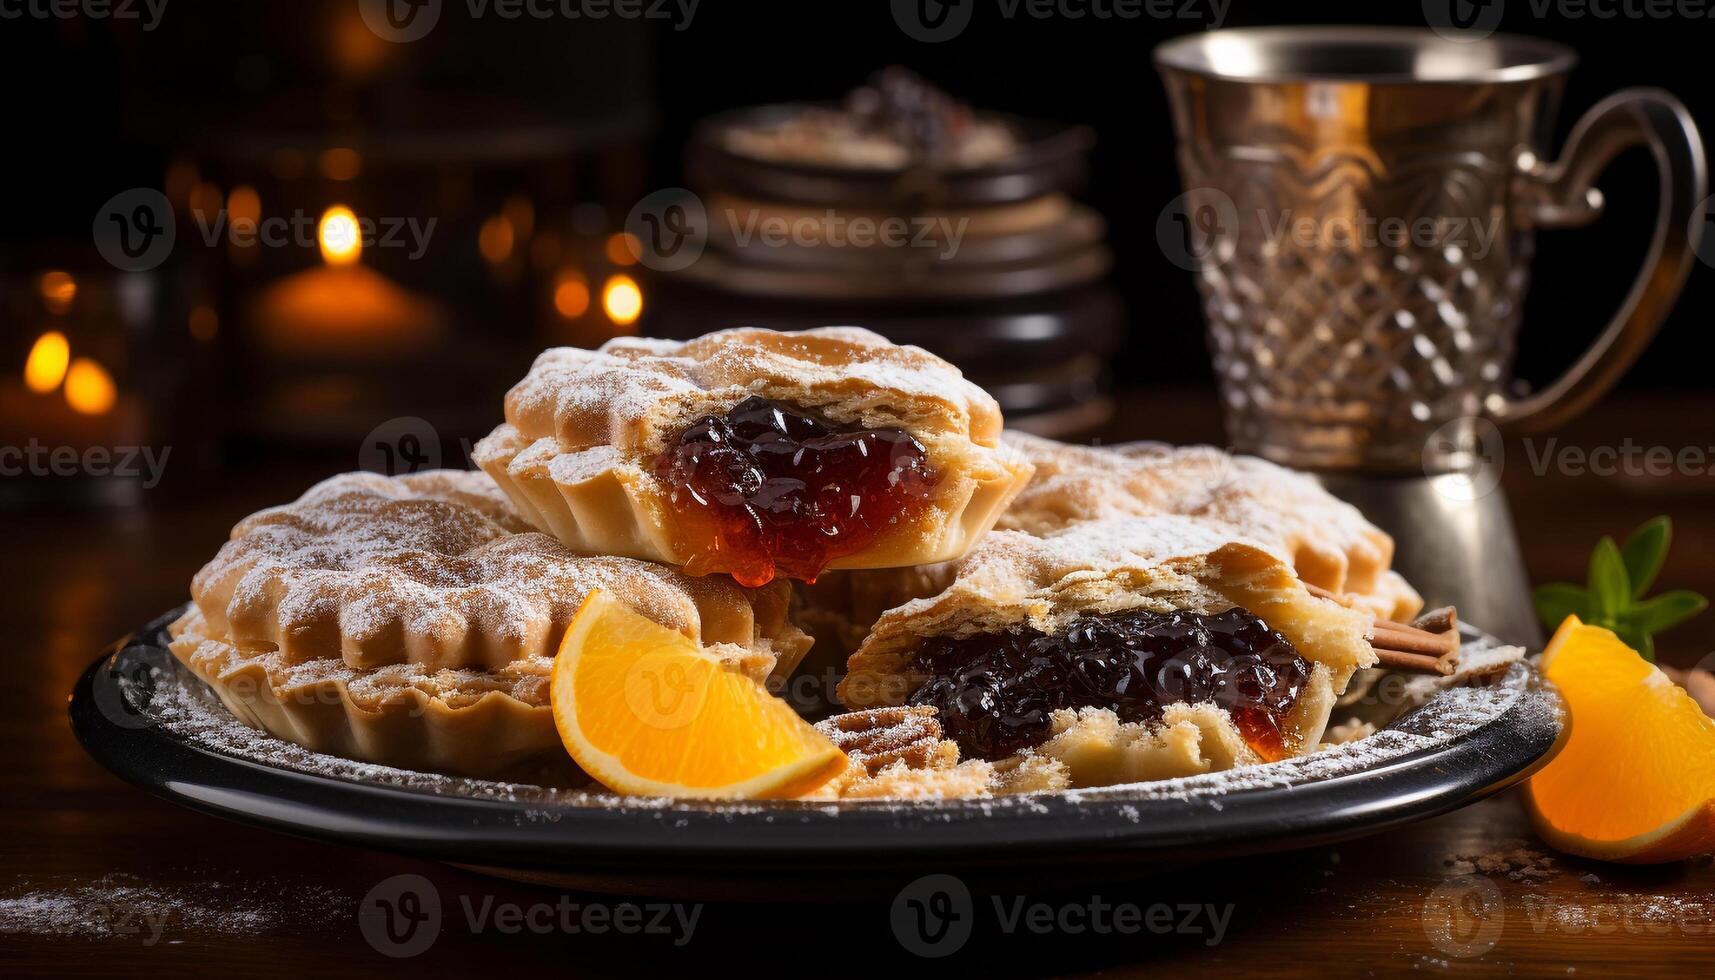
x: 995, y: 692
x: 768, y: 490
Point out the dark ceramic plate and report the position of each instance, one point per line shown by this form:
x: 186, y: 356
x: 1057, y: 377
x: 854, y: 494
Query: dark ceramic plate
x: 140, y: 715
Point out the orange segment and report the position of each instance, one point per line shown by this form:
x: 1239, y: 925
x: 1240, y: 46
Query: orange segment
x: 645, y: 710
x: 1636, y: 779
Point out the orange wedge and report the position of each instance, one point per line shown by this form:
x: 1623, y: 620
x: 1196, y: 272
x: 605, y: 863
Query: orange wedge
x: 646, y: 711
x: 1636, y: 780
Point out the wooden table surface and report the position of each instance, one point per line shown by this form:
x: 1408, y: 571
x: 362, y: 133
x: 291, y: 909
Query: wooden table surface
x: 141, y: 887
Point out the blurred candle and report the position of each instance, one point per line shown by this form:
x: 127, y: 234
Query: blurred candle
x: 343, y: 308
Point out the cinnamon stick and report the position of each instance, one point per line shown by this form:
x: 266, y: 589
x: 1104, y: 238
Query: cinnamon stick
x: 1408, y: 640
x: 1415, y: 662
x: 1427, y: 644
x: 1443, y: 620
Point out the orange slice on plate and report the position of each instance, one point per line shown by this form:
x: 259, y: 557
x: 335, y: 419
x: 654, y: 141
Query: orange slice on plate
x: 647, y: 711
x: 1635, y: 782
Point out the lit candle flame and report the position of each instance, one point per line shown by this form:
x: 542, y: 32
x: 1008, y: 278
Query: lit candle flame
x: 622, y: 300
x: 45, y: 368
x: 89, y: 388
x: 341, y: 241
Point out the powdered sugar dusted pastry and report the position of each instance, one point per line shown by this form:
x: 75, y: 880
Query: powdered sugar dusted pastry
x: 755, y: 452
x: 1329, y: 542
x: 1127, y: 648
x: 412, y: 621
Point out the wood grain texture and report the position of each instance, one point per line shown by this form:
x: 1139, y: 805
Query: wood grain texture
x: 1393, y: 903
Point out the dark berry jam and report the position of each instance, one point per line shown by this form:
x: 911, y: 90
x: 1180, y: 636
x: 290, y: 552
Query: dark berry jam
x: 770, y: 490
x: 995, y: 692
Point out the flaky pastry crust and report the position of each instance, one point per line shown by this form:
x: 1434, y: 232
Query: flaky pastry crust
x: 413, y: 620
x: 1328, y: 541
x: 583, y: 428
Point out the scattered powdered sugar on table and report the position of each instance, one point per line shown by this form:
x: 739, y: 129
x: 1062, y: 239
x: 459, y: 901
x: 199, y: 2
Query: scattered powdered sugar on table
x: 122, y: 906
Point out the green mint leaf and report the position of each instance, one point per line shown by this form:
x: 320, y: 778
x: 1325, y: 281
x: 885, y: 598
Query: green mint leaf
x: 1558, y: 600
x: 1644, y: 552
x: 1610, y: 588
x: 1665, y: 611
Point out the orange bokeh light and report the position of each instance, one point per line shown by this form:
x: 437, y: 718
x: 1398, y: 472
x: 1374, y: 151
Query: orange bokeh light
x: 58, y: 290
x: 495, y: 239
x: 623, y: 248
x: 340, y: 163
x: 571, y: 295
x: 89, y: 388
x: 204, y: 322
x: 622, y: 299
x: 45, y: 368
x: 244, y: 204
x: 340, y: 238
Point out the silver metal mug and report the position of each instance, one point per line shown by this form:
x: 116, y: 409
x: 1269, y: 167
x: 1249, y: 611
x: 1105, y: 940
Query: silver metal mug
x: 1360, y: 208
x: 1360, y: 204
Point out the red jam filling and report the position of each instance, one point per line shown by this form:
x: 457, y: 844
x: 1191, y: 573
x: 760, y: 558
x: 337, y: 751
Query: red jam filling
x: 766, y: 490
x: 995, y: 693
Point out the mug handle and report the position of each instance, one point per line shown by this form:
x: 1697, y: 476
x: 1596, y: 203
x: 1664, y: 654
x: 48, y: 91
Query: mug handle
x: 1564, y: 195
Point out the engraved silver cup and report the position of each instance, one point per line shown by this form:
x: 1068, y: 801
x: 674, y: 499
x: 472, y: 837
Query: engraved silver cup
x: 1359, y: 211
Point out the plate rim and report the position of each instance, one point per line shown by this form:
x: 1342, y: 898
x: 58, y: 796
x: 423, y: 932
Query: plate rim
x: 687, y: 837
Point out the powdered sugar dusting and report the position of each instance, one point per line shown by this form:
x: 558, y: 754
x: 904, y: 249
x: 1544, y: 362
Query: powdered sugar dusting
x: 432, y: 569
x: 1329, y: 541
x: 122, y: 906
x: 628, y: 391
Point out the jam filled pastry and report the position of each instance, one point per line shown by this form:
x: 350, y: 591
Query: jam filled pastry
x: 1123, y: 649
x: 756, y: 453
x: 412, y: 621
x: 1329, y: 544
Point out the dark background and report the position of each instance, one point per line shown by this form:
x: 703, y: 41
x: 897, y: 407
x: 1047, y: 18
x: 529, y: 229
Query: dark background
x: 94, y: 107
